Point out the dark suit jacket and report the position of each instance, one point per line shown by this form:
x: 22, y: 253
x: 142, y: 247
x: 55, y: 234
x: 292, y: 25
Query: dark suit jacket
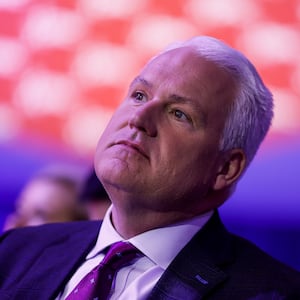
x: 37, y: 262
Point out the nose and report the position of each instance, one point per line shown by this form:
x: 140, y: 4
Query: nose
x: 145, y: 118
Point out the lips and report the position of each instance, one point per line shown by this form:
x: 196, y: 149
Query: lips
x: 134, y: 146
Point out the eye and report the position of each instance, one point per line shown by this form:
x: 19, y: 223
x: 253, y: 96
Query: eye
x: 180, y: 115
x: 139, y: 96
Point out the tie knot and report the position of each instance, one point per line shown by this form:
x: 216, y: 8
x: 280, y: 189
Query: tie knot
x: 120, y: 253
x: 97, y: 283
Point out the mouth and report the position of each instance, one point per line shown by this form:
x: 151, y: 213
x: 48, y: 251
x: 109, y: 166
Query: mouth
x: 134, y: 146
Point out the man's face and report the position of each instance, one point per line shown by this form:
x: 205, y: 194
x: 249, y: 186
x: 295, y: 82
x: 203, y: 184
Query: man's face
x: 161, y: 145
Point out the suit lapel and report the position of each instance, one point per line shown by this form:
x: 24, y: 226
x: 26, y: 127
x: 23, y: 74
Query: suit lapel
x: 196, y: 269
x: 51, y: 271
x: 193, y: 273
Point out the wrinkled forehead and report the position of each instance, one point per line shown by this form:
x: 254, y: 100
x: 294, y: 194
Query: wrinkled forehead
x: 173, y: 56
x: 190, y: 65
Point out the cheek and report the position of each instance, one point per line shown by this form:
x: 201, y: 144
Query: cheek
x: 194, y: 166
x: 101, y: 163
x: 107, y: 136
x: 176, y: 161
x: 106, y: 132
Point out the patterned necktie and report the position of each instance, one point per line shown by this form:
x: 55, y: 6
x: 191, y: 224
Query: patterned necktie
x: 96, y: 285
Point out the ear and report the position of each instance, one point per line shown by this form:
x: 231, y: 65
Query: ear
x: 230, y: 170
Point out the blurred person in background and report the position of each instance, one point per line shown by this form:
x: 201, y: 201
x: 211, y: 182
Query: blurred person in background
x: 51, y: 195
x: 94, y: 197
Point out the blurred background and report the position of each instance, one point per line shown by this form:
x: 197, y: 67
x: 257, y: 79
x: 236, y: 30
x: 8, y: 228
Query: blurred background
x: 65, y: 66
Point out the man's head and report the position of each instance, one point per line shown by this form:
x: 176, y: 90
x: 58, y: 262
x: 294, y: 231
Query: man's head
x: 191, y: 122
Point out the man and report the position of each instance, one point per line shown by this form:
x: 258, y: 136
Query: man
x: 171, y: 155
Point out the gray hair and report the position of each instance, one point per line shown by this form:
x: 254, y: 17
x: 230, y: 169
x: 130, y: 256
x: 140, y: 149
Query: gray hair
x: 251, y: 112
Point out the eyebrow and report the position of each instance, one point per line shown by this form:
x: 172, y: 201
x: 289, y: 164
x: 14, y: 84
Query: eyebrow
x: 180, y: 99
x: 174, y: 97
x: 141, y: 80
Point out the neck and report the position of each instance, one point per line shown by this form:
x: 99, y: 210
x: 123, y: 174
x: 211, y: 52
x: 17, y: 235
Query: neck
x: 132, y: 215
x: 132, y: 222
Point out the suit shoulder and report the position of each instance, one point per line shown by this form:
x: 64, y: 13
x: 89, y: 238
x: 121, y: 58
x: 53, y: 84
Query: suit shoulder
x: 256, y: 261
x: 49, y: 231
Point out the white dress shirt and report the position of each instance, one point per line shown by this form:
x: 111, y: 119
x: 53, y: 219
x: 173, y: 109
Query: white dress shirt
x: 160, y: 246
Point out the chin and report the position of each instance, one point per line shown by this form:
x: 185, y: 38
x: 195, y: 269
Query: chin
x: 112, y: 174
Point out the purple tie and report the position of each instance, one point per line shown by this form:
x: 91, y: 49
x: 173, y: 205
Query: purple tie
x: 96, y: 285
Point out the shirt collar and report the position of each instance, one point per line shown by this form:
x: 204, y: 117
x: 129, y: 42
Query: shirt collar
x: 173, y: 238
x: 106, y: 236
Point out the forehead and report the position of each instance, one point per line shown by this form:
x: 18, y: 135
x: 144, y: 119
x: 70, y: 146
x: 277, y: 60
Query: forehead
x: 179, y: 59
x: 186, y: 70
x: 186, y: 64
